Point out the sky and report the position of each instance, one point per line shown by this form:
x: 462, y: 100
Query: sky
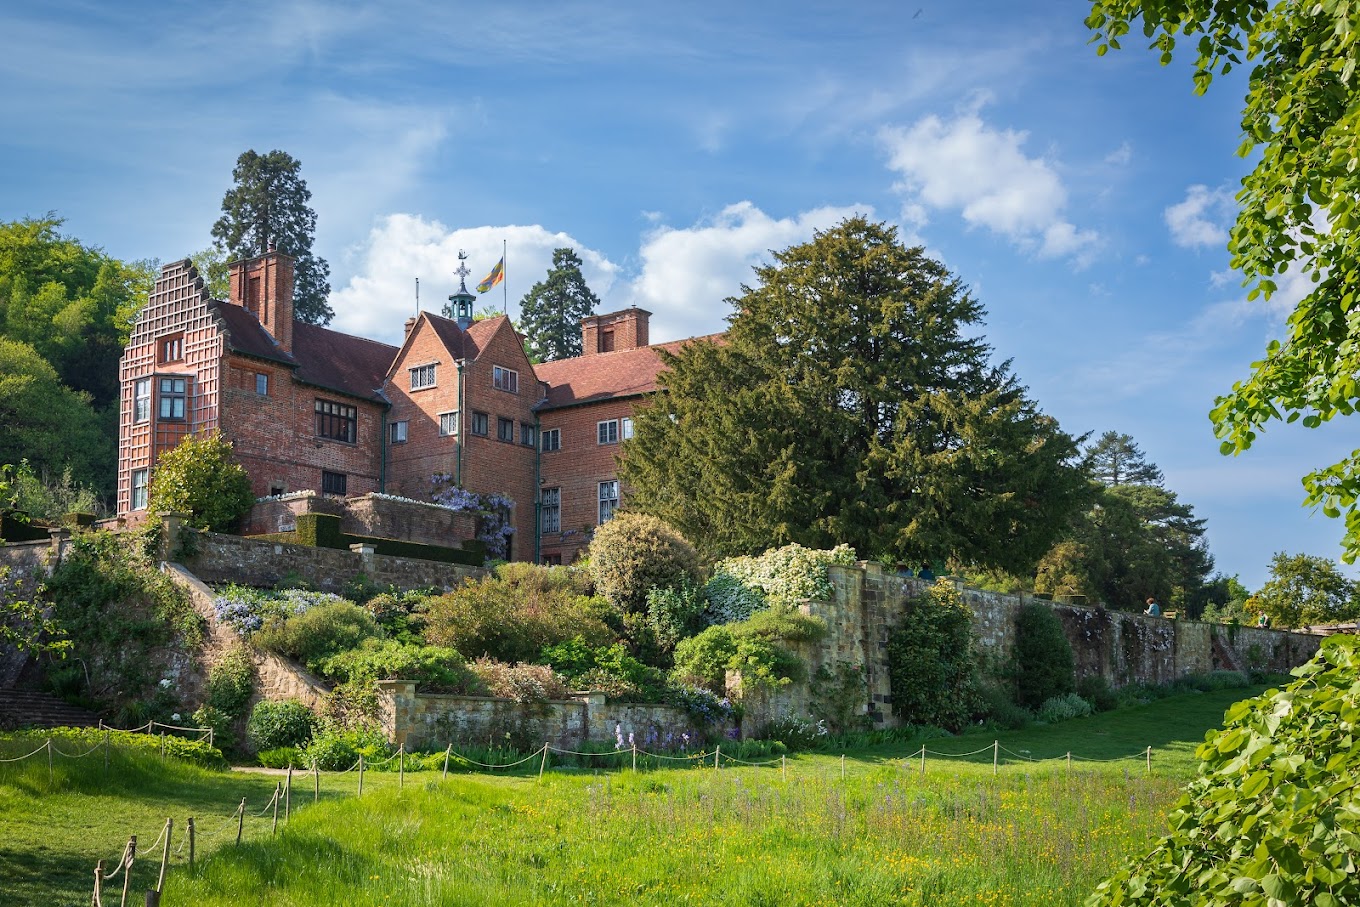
x: 1085, y: 201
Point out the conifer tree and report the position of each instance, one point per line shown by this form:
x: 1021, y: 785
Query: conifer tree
x: 551, y: 312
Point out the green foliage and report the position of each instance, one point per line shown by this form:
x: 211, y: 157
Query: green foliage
x: 122, y: 616
x: 551, y: 312
x: 276, y: 724
x: 44, y: 495
x: 1298, y: 206
x: 852, y: 401
x: 25, y: 624
x: 1272, y: 817
x: 331, y: 751
x: 1304, y: 590
x: 280, y: 757
x: 267, y: 207
x: 608, y: 669
x: 431, y: 668
x: 838, y: 697
x: 49, y: 424
x: 212, y: 265
x: 527, y: 683
x: 1064, y: 708
x: 931, y: 663
x: 221, y: 723
x: 317, y: 633
x: 633, y: 553
x: 675, y: 612
x: 785, y: 577
x: 231, y: 682
x: 1115, y: 459
x: 752, y: 647
x: 1043, y: 663
x: 1096, y: 690
x: 514, y: 614
x: 200, y: 477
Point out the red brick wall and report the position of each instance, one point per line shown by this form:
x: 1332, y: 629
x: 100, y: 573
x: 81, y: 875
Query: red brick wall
x: 178, y: 303
x: 615, y: 331
x: 264, y: 286
x: 488, y: 464
x: 275, y: 434
x: 578, y: 468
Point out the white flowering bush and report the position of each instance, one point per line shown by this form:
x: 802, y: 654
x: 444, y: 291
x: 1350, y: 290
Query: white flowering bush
x: 785, y: 577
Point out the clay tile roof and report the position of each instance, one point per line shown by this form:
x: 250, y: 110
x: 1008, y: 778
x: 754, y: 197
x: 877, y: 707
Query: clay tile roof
x: 449, y: 333
x: 479, y: 334
x: 341, y: 362
x: 604, y: 376
x: 246, y: 335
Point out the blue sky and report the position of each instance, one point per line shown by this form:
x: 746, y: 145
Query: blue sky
x: 1084, y: 200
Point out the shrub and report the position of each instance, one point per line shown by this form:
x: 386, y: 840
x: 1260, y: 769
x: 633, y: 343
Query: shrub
x: 432, y: 668
x: 521, y: 682
x: 1096, y: 690
x: 783, y: 577
x: 231, y: 682
x: 1064, y: 708
x: 931, y: 663
x: 317, y: 633
x: 276, y: 724
x: 221, y: 724
x: 200, y: 478
x: 675, y: 612
x: 752, y: 647
x: 702, y: 660
x: 281, y: 757
x: 1043, y: 664
x: 337, y: 749
x: 999, y: 709
x: 634, y: 553
x: 727, y: 599
x: 702, y: 705
x: 514, y: 614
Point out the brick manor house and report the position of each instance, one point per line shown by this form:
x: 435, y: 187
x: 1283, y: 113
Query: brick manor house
x: 309, y: 408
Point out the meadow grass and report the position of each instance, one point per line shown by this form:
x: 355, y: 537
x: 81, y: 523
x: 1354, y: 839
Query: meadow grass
x: 741, y: 835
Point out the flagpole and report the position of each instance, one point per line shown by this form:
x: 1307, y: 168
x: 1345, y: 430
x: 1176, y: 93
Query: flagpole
x: 505, y: 287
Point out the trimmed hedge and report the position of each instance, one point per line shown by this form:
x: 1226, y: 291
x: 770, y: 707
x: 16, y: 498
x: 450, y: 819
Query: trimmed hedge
x: 322, y: 530
x: 12, y: 530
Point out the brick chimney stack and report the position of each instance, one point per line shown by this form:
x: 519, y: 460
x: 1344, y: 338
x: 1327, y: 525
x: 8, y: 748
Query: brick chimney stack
x: 263, y: 286
x: 615, y: 331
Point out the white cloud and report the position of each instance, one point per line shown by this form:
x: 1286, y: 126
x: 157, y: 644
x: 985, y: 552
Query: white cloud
x: 1201, y: 219
x: 1121, y: 156
x: 381, y: 295
x: 687, y: 273
x: 966, y: 165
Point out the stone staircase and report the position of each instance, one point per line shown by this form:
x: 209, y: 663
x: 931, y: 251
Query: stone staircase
x: 25, y: 708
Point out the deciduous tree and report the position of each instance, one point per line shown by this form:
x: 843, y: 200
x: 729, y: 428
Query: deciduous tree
x: 200, y: 477
x: 551, y: 312
x: 1300, y: 205
x: 1304, y: 590
x: 268, y: 206
x: 853, y: 401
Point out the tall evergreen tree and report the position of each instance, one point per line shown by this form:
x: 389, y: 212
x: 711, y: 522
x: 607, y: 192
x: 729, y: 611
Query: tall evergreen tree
x: 852, y: 401
x: 1115, y: 459
x: 551, y: 312
x: 268, y: 205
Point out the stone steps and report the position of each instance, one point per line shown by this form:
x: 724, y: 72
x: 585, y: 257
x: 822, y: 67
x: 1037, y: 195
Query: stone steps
x: 27, y: 708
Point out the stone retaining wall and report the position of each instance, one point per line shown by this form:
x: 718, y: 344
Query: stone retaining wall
x: 374, y: 515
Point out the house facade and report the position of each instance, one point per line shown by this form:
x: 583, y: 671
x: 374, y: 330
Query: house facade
x: 309, y: 408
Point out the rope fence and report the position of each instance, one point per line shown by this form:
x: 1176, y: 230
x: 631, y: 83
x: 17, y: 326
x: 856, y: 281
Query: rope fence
x: 223, y: 827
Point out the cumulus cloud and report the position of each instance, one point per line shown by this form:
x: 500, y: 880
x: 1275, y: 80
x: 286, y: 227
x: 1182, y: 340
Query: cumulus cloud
x: 967, y: 166
x: 687, y: 272
x: 402, y: 247
x: 1201, y: 219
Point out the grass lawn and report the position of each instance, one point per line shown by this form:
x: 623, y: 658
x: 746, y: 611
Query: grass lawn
x: 744, y: 835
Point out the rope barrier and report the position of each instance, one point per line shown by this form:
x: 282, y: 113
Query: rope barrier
x: 29, y: 755
x: 82, y: 755
x: 985, y: 749
x: 175, y: 727
x: 534, y: 755
x: 690, y: 758
x: 614, y: 752
x: 743, y: 762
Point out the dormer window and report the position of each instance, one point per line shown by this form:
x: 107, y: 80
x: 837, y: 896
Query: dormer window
x: 422, y: 376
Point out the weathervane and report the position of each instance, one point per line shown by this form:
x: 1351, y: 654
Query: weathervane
x: 462, y: 270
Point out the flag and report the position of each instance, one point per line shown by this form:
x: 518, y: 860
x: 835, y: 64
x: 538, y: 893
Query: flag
x: 496, y: 276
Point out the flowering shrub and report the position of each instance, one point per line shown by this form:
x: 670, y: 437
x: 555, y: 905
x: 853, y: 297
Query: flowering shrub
x: 1064, y: 708
x: 496, y: 512
x: 245, y: 609
x: 315, y: 634
x: 702, y: 705
x: 784, y: 576
x: 520, y: 682
x: 634, y: 553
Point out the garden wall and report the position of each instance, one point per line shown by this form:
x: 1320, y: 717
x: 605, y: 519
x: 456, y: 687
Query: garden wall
x: 218, y: 559
x: 376, y: 515
x: 430, y: 721
x: 1120, y: 646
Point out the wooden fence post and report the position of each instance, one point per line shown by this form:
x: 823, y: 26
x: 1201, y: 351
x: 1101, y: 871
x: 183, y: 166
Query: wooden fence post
x: 544, y: 763
x: 634, y: 758
x: 316, y: 782
x: 717, y: 752
x: 97, y: 899
x: 401, y: 767
x: 361, y: 774
x: 278, y: 792
x: 240, y: 821
x: 842, y: 766
x: 288, y: 796
x: 996, y: 753
x: 50, y: 779
x: 784, y: 767
x: 191, y: 843
x: 923, y: 758
x: 447, y: 753
x: 1149, y: 760
x: 106, y: 751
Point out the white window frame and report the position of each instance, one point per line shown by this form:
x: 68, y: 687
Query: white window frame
x: 140, y: 484
x: 423, y: 376
x: 262, y: 384
x: 485, y: 424
x: 528, y: 435
x: 550, y: 434
x: 448, y: 424
x: 397, y: 431
x: 551, y: 511
x: 505, y: 379
x: 141, y: 400
x: 177, y: 392
x: 609, y: 500
x: 626, y: 428
x: 607, y: 431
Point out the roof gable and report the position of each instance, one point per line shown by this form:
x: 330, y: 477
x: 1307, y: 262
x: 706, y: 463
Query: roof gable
x: 605, y: 376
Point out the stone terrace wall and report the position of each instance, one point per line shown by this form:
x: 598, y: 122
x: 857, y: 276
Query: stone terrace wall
x: 375, y: 515
x: 432, y: 721
x: 1120, y: 646
x: 232, y: 559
